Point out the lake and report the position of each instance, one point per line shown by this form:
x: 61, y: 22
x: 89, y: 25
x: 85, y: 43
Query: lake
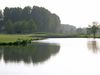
x: 54, y: 56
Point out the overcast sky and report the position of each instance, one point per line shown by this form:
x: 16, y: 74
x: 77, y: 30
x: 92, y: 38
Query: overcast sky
x: 79, y: 13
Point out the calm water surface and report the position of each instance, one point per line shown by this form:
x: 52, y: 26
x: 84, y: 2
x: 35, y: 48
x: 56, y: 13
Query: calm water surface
x: 58, y: 56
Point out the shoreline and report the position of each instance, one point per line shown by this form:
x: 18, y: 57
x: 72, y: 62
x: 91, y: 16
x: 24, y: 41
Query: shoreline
x: 14, y: 39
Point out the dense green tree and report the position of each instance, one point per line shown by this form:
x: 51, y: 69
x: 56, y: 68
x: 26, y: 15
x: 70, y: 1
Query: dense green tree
x: 1, y: 20
x: 1, y: 15
x: 88, y: 31
x: 20, y: 27
x: 54, y: 23
x: 26, y: 13
x: 93, y: 28
x: 46, y: 21
x: 39, y: 16
x: 29, y: 20
x: 6, y: 14
x: 9, y: 27
x: 80, y: 31
x: 28, y: 26
x: 15, y: 14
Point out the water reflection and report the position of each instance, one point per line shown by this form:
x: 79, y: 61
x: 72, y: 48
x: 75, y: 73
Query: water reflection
x: 93, y: 45
x: 35, y: 53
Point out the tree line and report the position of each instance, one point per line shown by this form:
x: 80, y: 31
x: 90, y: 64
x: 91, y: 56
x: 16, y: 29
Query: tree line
x: 28, y: 20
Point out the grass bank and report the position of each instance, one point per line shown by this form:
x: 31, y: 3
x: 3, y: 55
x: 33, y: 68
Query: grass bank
x: 6, y: 38
x: 21, y: 39
x: 16, y: 39
x: 55, y: 35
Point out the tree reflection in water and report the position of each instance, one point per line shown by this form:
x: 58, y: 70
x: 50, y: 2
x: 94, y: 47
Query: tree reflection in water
x: 35, y: 53
x: 94, y: 46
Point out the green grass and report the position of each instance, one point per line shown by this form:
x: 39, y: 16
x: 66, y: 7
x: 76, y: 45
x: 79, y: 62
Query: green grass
x: 6, y: 38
